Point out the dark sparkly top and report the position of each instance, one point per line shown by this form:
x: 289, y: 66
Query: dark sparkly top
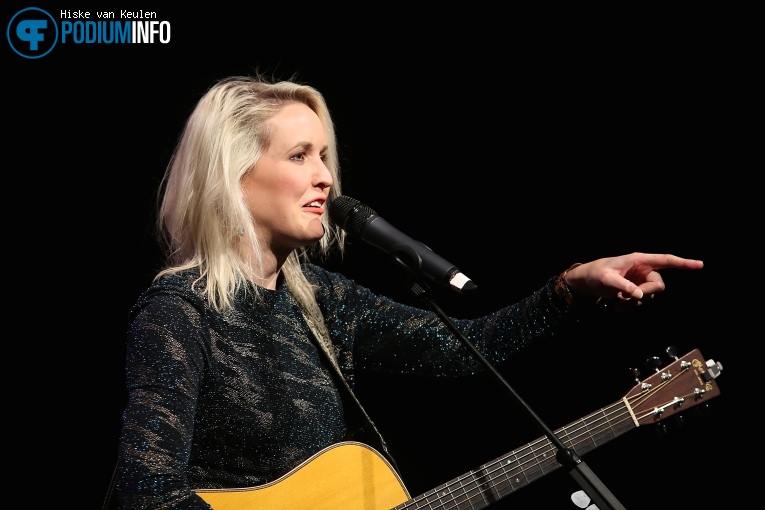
x: 240, y: 398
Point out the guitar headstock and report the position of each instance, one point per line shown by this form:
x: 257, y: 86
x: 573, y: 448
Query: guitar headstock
x: 686, y: 382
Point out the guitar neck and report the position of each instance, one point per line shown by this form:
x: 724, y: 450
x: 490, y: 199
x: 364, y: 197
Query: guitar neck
x: 504, y: 475
x: 683, y: 384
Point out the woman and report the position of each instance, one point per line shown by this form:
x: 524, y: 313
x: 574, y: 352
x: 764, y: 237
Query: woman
x: 234, y: 351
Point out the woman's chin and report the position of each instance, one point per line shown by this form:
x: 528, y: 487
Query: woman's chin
x: 315, y: 234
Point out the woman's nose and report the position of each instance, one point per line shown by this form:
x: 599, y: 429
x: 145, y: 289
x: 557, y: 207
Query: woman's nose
x: 323, y: 178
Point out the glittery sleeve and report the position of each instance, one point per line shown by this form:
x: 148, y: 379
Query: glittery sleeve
x: 164, y: 366
x: 379, y: 334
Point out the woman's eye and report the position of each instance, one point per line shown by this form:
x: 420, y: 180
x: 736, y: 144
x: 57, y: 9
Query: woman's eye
x: 300, y: 156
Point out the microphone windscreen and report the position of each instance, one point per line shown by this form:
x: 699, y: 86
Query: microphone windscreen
x: 350, y: 214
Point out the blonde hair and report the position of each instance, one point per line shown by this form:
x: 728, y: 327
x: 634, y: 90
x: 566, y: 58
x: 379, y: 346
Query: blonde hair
x: 203, y: 214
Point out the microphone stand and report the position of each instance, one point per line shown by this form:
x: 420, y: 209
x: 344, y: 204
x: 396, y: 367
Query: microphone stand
x: 567, y: 457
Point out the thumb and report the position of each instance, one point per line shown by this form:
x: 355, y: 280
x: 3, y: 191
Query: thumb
x: 630, y: 290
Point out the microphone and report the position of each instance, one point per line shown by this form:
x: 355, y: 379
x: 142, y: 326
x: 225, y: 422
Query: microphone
x: 363, y: 222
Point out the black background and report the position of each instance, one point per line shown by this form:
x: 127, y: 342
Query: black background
x: 512, y: 139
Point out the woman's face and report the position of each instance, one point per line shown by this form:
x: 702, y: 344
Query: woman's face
x: 287, y: 188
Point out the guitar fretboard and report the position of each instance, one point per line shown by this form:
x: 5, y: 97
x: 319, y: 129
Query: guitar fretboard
x: 502, y: 476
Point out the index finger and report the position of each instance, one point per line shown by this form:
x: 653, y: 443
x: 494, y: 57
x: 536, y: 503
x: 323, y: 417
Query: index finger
x: 665, y: 261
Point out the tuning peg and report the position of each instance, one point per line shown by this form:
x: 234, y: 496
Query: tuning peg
x: 653, y: 363
x: 636, y: 374
x: 672, y: 353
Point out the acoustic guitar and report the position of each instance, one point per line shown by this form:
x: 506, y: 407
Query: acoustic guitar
x: 354, y: 476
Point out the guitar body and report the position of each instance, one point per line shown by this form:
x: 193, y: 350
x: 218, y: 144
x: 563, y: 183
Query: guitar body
x: 346, y: 475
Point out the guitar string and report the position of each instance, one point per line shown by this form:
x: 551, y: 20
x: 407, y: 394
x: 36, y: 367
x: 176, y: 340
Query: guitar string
x: 547, y: 463
x: 545, y: 451
x: 530, y: 454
